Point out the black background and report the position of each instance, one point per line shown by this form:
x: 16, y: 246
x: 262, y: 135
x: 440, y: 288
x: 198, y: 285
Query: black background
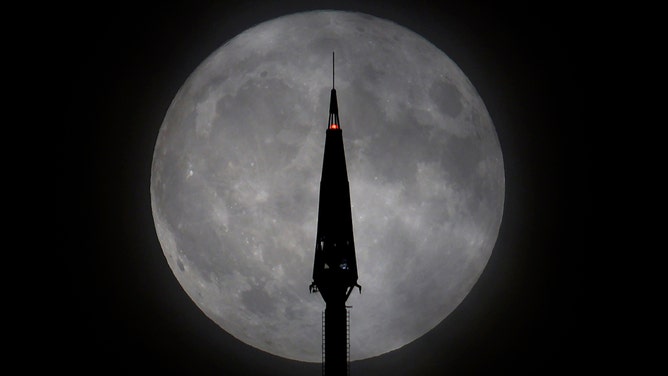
x: 120, y: 66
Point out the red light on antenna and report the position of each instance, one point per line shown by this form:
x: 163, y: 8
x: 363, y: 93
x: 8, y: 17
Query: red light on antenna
x: 333, y: 126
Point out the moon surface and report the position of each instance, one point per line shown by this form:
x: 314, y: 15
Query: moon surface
x: 236, y: 173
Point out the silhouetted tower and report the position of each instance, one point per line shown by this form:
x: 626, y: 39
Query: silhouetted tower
x: 335, y: 265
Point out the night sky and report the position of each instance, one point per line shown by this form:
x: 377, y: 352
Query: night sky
x: 120, y: 67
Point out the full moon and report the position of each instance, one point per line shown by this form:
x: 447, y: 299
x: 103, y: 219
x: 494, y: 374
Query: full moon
x: 236, y: 172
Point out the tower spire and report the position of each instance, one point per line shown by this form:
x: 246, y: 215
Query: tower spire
x: 335, y: 263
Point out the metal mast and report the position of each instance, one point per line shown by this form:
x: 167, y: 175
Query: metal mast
x: 335, y: 264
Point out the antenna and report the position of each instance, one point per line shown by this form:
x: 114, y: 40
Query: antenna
x: 332, y: 69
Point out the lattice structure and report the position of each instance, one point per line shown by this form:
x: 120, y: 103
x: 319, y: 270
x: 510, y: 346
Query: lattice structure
x: 347, y: 341
x: 323, y: 343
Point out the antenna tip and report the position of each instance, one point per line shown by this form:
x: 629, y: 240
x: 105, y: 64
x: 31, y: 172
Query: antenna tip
x: 332, y: 69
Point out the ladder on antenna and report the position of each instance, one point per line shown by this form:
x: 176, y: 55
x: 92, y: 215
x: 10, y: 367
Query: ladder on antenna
x: 323, y: 343
x: 348, y: 341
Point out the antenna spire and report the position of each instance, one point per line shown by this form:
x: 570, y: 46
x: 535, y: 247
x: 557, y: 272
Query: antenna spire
x: 332, y: 69
x: 333, y: 106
